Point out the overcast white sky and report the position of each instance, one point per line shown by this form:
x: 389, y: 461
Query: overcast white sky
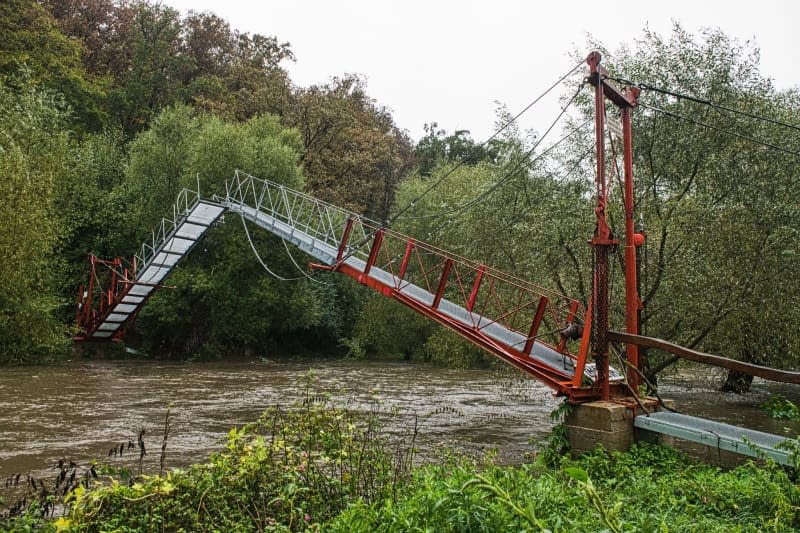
x: 448, y: 61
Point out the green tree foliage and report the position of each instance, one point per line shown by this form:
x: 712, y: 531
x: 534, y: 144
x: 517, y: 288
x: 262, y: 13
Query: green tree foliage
x: 154, y: 59
x: 103, y: 27
x: 224, y: 301
x: 437, y: 148
x: 88, y: 209
x: 354, y: 154
x: 33, y: 43
x: 32, y: 148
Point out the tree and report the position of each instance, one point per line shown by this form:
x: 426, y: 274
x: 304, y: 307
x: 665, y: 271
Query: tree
x: 34, y: 45
x: 354, y: 154
x: 224, y: 301
x: 105, y: 30
x: 32, y: 150
x: 437, y: 148
x: 154, y: 78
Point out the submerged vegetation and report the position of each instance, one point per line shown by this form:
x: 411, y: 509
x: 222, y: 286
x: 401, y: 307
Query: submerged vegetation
x: 781, y: 407
x: 316, y: 467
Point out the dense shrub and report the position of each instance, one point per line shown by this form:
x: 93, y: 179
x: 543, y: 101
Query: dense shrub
x: 289, y: 471
x: 652, y: 488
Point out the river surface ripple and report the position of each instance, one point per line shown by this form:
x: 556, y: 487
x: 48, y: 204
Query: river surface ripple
x: 79, y: 410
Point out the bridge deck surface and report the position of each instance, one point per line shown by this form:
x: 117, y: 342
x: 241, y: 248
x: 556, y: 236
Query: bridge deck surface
x: 716, y: 434
x: 165, y: 257
x: 327, y: 252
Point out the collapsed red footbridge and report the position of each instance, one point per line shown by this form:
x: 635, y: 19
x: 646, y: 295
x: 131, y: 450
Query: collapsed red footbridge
x: 536, y: 330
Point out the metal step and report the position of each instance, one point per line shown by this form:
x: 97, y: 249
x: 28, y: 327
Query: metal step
x: 159, y: 260
x: 716, y: 434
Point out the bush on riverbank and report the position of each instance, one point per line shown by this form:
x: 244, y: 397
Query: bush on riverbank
x: 290, y: 470
x: 317, y: 468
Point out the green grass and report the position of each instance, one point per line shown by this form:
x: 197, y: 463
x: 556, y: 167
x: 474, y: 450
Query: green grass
x: 651, y: 488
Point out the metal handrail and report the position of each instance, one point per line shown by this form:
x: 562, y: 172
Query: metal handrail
x: 186, y: 201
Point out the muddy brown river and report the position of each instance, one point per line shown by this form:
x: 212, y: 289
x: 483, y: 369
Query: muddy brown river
x: 79, y: 410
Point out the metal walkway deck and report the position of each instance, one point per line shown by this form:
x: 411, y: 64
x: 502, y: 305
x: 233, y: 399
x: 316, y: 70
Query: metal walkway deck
x: 170, y: 243
x: 716, y: 434
x: 326, y: 253
x: 321, y: 230
x: 534, y: 329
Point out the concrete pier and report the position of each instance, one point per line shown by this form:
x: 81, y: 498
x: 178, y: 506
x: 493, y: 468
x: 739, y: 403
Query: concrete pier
x: 607, y: 423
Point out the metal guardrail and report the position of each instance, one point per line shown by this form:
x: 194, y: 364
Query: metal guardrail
x: 302, y: 212
x: 186, y: 201
x: 718, y: 435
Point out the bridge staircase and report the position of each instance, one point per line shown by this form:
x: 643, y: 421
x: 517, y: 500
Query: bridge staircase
x: 104, y: 313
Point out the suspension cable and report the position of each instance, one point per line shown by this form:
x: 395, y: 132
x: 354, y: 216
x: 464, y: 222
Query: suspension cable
x: 298, y: 267
x: 681, y: 96
x: 263, y: 264
x: 522, y: 164
x: 720, y: 130
x: 531, y: 162
x: 481, y: 145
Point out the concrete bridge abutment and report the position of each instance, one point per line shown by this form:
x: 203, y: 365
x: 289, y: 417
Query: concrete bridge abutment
x: 609, y: 424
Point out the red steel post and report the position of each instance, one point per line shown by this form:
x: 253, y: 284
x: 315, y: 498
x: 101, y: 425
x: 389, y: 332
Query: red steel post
x: 537, y: 321
x: 632, y: 301
x: 475, y: 287
x: 602, y: 240
x: 448, y: 264
x: 373, y: 253
x: 345, y: 236
x: 406, y: 256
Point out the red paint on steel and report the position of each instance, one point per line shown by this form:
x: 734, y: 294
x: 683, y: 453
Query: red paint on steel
x: 632, y: 301
x: 502, y: 300
x: 537, y: 321
x: 602, y: 240
x: 448, y: 265
x: 475, y: 287
x: 345, y: 237
x: 583, y: 351
x: 373, y: 252
x: 406, y: 257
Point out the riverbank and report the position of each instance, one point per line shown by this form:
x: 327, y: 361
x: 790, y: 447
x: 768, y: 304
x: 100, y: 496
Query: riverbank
x: 320, y: 468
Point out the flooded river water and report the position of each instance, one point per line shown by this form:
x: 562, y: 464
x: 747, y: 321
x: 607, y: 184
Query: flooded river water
x: 79, y: 410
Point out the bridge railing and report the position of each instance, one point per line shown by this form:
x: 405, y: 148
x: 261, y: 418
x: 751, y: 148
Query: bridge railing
x: 463, y: 293
x: 165, y: 229
x: 489, y: 297
x: 302, y: 212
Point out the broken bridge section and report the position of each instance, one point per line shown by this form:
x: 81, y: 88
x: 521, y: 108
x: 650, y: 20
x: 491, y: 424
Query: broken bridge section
x: 540, y: 332
x: 536, y: 330
x: 103, y: 312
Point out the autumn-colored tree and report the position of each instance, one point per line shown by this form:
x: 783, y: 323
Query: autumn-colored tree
x: 103, y: 27
x: 354, y: 153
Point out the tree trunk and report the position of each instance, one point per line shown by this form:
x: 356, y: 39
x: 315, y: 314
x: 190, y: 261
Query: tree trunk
x: 737, y: 382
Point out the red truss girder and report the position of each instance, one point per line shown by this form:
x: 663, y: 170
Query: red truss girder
x: 94, y: 302
x: 530, y: 311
